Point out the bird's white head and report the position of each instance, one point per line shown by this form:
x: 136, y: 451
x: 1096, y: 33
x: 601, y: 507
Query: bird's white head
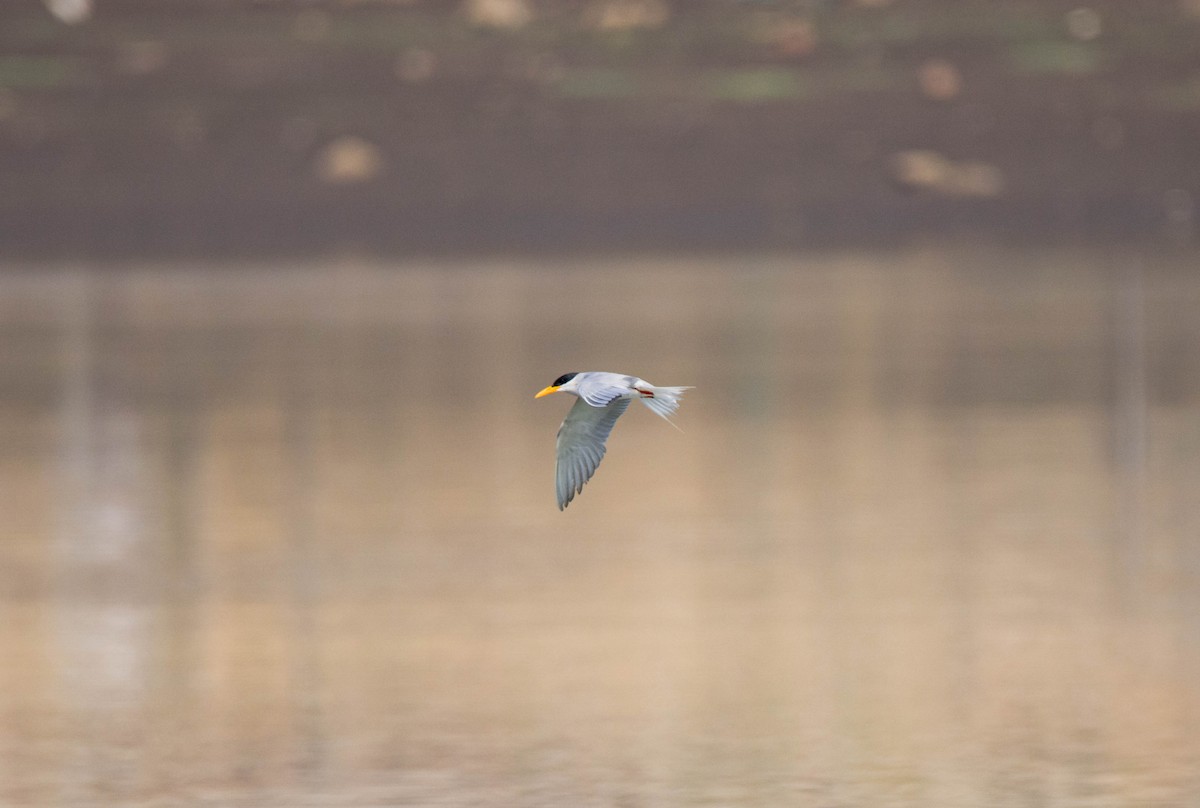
x: 565, y: 383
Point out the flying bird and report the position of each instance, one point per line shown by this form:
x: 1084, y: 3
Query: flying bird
x: 603, y: 397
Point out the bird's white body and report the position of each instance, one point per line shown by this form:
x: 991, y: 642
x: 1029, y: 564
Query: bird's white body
x: 603, y: 398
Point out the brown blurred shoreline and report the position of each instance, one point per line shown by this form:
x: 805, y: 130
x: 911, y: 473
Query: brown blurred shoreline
x: 281, y: 129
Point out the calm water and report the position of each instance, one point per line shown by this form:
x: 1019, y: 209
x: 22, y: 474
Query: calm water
x: 286, y: 535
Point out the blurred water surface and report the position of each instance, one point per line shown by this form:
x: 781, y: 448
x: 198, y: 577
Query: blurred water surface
x: 287, y: 536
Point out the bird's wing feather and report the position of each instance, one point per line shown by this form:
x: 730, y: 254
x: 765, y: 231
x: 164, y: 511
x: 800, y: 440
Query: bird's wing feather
x: 581, y: 445
x: 600, y: 389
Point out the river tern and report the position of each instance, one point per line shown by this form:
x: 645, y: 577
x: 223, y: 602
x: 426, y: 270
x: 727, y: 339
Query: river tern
x: 603, y: 397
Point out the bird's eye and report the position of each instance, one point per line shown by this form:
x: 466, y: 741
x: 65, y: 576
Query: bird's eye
x: 563, y: 379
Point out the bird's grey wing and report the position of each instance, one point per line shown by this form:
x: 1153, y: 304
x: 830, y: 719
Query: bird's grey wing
x: 580, y: 448
x: 600, y: 389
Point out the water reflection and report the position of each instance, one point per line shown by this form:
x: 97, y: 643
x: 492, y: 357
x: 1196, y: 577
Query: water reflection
x: 289, y: 537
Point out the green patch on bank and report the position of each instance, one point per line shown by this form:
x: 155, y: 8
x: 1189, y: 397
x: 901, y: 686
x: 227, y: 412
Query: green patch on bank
x: 42, y: 72
x: 761, y: 84
x: 1057, y: 58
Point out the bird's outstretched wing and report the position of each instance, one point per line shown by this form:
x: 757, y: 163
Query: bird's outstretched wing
x: 581, y: 445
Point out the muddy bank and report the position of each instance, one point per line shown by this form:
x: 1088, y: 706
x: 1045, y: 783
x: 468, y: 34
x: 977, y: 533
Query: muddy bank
x: 208, y: 128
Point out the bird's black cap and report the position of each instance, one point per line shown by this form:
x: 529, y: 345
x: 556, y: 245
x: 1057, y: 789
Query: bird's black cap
x: 563, y: 379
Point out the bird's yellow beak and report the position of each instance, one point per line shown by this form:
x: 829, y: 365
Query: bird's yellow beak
x: 547, y: 391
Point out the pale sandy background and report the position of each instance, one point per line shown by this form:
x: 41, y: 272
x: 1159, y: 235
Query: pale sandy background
x: 287, y: 536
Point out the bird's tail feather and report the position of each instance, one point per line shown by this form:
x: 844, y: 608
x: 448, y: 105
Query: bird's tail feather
x: 665, y: 401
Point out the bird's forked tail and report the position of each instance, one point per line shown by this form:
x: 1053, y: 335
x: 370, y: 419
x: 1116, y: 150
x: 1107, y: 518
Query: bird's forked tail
x: 664, y: 401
